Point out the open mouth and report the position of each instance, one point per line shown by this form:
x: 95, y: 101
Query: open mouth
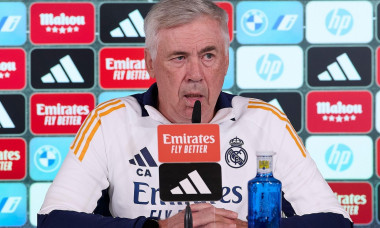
x: 193, y: 96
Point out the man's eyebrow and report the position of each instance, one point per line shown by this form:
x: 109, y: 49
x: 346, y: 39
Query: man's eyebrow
x: 207, y: 49
x: 178, y: 53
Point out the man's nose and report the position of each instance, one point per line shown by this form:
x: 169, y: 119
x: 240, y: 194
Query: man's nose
x: 194, y: 70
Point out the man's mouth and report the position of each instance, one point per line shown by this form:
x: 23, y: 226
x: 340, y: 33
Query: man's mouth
x: 193, y: 96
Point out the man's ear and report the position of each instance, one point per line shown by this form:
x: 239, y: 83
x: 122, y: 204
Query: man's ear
x: 149, y: 63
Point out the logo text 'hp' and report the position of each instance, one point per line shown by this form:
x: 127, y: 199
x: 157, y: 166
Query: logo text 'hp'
x: 339, y: 22
x: 269, y: 67
x: 339, y: 157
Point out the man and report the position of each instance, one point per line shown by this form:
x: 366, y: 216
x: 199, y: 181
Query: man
x: 187, y: 52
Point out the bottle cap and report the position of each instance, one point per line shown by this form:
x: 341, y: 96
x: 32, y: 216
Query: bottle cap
x: 265, y: 153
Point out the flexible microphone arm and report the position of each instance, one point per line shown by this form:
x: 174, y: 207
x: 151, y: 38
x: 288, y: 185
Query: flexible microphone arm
x: 196, y: 118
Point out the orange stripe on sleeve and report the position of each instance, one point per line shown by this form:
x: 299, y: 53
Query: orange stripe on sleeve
x: 88, y: 123
x: 89, y: 140
x: 93, y: 131
x: 300, y: 147
x: 289, y: 126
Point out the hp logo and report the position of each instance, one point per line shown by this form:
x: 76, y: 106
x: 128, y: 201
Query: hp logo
x: 339, y: 22
x: 269, y: 67
x: 254, y: 22
x: 339, y: 157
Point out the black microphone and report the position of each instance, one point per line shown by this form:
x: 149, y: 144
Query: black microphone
x: 196, y: 118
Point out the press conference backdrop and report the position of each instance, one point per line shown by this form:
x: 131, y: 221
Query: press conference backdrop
x: 317, y: 61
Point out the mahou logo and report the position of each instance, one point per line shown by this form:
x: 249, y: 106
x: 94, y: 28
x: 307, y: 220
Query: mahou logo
x: 12, y: 69
x: 60, y: 113
x: 62, y: 23
x: 356, y: 199
x: 123, y: 68
x: 12, y: 159
x: 339, y: 112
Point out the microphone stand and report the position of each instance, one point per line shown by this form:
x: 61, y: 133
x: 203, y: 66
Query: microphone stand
x: 196, y: 118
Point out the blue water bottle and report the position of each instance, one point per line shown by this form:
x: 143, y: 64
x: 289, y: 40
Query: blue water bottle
x: 264, y: 195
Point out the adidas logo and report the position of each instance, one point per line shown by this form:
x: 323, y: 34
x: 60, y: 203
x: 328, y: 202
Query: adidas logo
x: 9, y: 23
x: 147, y: 157
x: 341, y: 70
x: 63, y: 73
x: 276, y: 104
x: 190, y: 186
x: 5, y: 120
x: 130, y: 27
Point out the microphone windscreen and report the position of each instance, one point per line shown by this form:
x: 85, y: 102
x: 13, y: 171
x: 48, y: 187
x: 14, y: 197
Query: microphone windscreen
x: 196, y: 118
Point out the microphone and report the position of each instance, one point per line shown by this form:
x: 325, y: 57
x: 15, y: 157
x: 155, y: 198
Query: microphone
x: 196, y: 117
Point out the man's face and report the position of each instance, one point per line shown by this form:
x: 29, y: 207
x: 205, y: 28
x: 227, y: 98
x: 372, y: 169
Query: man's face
x: 190, y: 65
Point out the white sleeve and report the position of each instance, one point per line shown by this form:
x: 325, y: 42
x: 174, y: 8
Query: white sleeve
x: 83, y: 175
x: 302, y: 183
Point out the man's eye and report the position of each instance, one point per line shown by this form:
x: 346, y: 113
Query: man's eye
x: 179, y: 58
x: 208, y: 55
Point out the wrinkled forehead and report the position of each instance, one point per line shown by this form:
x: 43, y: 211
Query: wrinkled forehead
x: 204, y: 31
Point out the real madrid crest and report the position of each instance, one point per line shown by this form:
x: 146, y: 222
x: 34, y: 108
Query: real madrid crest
x: 236, y: 156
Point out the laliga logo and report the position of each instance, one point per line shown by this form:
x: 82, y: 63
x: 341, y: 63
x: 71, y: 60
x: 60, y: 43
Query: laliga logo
x: 62, y: 23
x: 236, y: 156
x: 338, y: 112
x: 339, y: 157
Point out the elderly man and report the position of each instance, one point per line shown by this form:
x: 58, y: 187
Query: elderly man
x: 187, y: 52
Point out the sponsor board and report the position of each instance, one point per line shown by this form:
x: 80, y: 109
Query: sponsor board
x: 378, y: 157
x: 188, y: 143
x: 265, y: 22
x: 12, y: 69
x: 12, y: 114
x: 227, y: 6
x: 339, y: 111
x: 289, y: 103
x: 12, y: 204
x: 62, y: 68
x: 342, y: 157
x: 339, y: 22
x: 190, y: 181
x: 123, y: 68
x: 378, y: 65
x: 37, y: 194
x: 12, y: 23
x: 339, y: 66
x: 269, y: 67
x: 230, y: 76
x: 59, y: 113
x: 356, y: 199
x: 377, y: 111
x: 46, y: 155
x: 62, y: 23
x: 12, y: 159
x: 106, y: 96
x: 123, y: 22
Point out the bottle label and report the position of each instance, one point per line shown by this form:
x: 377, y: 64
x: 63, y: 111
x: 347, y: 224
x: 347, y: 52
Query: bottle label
x: 264, y: 164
